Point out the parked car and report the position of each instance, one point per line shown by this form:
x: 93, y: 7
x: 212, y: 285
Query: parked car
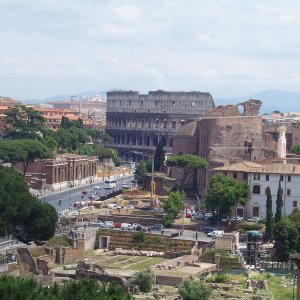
x: 126, y: 226
x: 96, y: 223
x: 206, y: 230
x: 137, y: 227
x: 113, y: 206
x: 208, y: 216
x: 188, y: 215
x: 125, y: 186
x: 253, y: 219
x: 129, y: 207
x: 236, y: 218
x: 146, y: 207
x: 198, y: 216
x: 108, y: 224
x: 215, y: 233
x: 156, y: 227
x: 117, y: 224
x: 225, y: 218
x: 157, y: 209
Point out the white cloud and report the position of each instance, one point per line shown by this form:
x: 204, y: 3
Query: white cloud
x: 227, y: 47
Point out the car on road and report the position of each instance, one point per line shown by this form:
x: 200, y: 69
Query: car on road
x: 253, y: 219
x: 225, y: 218
x: 188, y: 215
x: 126, y: 226
x: 137, y: 226
x: 96, y: 223
x: 108, y: 224
x: 215, y: 233
x: 125, y: 186
x: 129, y: 207
x: 236, y: 219
x: 117, y: 224
x: 157, y: 209
x: 156, y: 227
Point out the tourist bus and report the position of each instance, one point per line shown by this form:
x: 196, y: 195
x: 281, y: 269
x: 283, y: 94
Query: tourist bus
x: 110, y: 184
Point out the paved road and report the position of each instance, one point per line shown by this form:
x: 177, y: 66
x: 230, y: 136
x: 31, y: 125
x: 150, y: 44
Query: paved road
x: 62, y: 200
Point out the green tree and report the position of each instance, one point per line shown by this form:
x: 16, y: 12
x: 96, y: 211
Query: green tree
x: 185, y: 164
x: 279, y: 204
x: 50, y: 143
x: 159, y: 157
x: 144, y: 279
x: 24, y: 151
x: 225, y: 193
x: 21, y: 214
x: 148, y: 165
x: 269, y: 213
x: 22, y: 122
x: 192, y: 289
x: 286, y: 238
x: 173, y: 206
x: 295, y: 149
x: 140, y: 173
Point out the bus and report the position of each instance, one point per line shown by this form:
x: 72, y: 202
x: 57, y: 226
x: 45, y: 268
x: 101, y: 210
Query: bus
x: 110, y: 184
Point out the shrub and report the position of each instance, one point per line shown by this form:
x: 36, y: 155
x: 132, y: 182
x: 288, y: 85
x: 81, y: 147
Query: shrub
x: 168, y: 220
x: 139, y: 236
x: 221, y: 278
x: 144, y: 279
x: 192, y: 289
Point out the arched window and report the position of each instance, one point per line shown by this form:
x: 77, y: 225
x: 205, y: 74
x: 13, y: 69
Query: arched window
x: 256, y: 189
x: 156, y: 123
x: 165, y: 123
x: 173, y: 124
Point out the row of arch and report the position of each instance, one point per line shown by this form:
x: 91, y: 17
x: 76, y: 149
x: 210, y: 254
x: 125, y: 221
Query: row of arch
x: 148, y: 140
x: 151, y: 123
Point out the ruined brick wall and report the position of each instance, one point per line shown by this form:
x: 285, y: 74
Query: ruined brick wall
x: 222, y: 141
x: 76, y: 252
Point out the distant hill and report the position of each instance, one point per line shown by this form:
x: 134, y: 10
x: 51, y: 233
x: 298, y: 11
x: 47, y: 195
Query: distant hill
x: 65, y: 97
x: 283, y: 101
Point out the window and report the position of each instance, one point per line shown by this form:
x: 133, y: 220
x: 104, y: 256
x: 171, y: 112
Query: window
x: 267, y: 177
x: 245, y: 176
x: 256, y: 189
x: 256, y: 176
x: 288, y: 192
x: 235, y: 175
x: 173, y: 124
x: 142, y: 103
x: 295, y: 204
x: 129, y: 102
x: 173, y: 103
x: 289, y: 178
x: 182, y: 122
x: 156, y: 102
x: 281, y: 177
x: 193, y: 103
x: 165, y: 124
x: 156, y: 123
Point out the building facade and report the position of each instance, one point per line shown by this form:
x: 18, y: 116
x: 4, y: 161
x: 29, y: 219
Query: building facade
x: 137, y: 123
x: 259, y: 177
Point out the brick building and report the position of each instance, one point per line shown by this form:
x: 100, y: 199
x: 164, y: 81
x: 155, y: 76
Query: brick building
x: 67, y: 169
x: 138, y: 122
x: 227, y: 134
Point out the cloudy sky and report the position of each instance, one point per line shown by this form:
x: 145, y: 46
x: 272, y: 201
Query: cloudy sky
x: 227, y: 47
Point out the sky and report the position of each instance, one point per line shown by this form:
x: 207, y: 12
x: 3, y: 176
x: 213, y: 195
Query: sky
x: 229, y: 48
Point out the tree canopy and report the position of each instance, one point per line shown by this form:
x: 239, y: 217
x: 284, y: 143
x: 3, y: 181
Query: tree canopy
x: 140, y: 173
x: 24, y: 151
x: 21, y: 214
x: 173, y: 206
x: 279, y: 204
x: 226, y: 192
x: 295, y: 149
x: 16, y: 288
x: 185, y: 164
x: 22, y: 122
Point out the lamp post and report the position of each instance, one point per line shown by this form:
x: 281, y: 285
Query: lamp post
x: 61, y: 177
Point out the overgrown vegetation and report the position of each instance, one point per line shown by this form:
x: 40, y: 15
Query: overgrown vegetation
x: 17, y: 288
x: 192, y: 289
x: 145, y: 280
x: 59, y: 240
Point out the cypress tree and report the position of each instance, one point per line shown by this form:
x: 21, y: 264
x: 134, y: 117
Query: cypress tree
x: 159, y: 157
x: 269, y: 213
x: 279, y: 204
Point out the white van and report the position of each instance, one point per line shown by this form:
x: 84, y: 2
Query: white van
x: 113, y: 206
x: 126, y: 226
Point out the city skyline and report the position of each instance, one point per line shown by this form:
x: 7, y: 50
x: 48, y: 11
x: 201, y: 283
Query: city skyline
x: 227, y: 48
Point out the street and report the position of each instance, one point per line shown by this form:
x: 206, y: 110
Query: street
x: 62, y: 200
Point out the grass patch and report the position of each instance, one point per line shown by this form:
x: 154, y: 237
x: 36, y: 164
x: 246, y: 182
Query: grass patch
x: 59, y: 240
x: 146, y: 263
